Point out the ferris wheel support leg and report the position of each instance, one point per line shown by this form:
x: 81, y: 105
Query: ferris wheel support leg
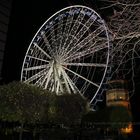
x: 67, y: 81
x: 57, y: 81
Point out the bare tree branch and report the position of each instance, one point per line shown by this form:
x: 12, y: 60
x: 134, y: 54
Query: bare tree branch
x: 124, y: 27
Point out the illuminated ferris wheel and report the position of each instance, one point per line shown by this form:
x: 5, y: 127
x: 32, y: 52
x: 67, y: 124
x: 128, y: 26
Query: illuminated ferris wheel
x: 69, y: 53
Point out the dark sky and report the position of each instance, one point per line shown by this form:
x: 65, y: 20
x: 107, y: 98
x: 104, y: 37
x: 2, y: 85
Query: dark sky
x: 26, y: 18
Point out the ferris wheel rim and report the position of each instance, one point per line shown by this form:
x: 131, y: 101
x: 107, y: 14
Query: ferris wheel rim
x: 50, y: 19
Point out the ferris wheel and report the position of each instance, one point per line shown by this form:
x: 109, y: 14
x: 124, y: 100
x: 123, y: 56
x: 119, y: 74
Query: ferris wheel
x: 69, y: 53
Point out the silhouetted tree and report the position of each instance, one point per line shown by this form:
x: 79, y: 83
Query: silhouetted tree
x: 27, y: 104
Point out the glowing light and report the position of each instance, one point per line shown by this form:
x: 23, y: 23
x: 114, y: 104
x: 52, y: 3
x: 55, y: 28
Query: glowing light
x: 127, y: 130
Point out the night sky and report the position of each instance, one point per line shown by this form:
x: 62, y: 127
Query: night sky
x: 26, y: 18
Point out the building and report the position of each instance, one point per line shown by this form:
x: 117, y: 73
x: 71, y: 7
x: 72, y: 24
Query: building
x: 118, y: 95
x: 5, y: 10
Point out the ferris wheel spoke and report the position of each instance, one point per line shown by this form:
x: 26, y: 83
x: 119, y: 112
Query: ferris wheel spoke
x: 47, y: 43
x: 52, y: 33
x: 58, y: 44
x: 37, y: 75
x: 55, y: 41
x: 77, y: 23
x: 70, y: 83
x: 60, y: 27
x: 68, y: 24
x: 40, y: 59
x: 67, y: 31
x: 60, y: 34
x: 35, y: 68
x: 59, y: 85
x: 83, y: 30
x: 85, y: 64
x: 59, y: 82
x: 90, y: 50
x: 47, y: 77
x: 88, y: 39
x: 81, y: 77
x: 42, y: 50
x: 38, y: 82
x: 86, y: 27
x: 67, y: 80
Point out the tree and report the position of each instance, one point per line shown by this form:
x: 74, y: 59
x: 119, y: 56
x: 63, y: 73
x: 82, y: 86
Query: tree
x: 123, y: 18
x: 27, y: 104
x: 67, y: 109
x: 22, y: 100
x: 99, y: 118
x: 108, y: 120
x: 22, y: 103
x: 120, y: 117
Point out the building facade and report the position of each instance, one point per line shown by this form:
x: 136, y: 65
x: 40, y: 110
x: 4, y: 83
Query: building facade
x: 5, y: 10
x: 118, y: 95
